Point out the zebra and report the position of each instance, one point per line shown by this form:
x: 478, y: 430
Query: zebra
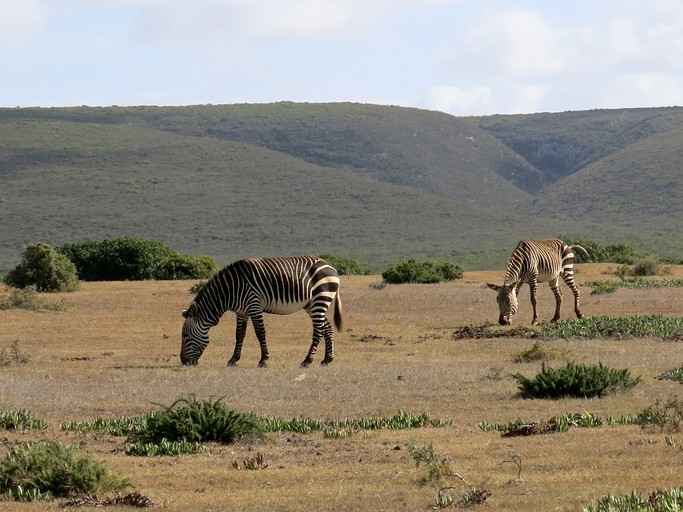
x: 253, y: 286
x: 533, y: 262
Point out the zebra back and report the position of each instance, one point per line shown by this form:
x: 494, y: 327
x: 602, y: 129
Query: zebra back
x: 540, y: 257
x: 273, y: 282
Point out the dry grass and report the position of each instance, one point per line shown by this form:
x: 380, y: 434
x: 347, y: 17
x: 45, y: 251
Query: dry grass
x: 114, y: 352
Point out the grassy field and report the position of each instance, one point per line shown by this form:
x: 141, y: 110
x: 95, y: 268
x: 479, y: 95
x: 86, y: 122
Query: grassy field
x: 114, y: 351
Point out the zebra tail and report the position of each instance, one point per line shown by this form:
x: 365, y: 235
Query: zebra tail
x: 337, y: 311
x: 572, y: 247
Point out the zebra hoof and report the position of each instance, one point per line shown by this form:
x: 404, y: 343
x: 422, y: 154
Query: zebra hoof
x: 262, y: 364
x: 232, y: 363
x: 325, y: 362
x: 305, y: 364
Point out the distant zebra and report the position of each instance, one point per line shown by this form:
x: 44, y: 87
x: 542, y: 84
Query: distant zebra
x: 254, y: 286
x: 533, y: 262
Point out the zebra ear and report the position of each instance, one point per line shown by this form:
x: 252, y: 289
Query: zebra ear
x: 494, y: 287
x: 191, y: 312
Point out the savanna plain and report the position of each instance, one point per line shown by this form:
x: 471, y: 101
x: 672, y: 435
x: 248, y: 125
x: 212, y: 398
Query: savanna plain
x: 114, y: 352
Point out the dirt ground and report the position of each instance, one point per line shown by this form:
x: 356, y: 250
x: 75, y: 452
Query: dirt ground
x: 114, y: 351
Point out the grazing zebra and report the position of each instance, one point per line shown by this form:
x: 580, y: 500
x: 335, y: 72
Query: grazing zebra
x: 254, y: 286
x: 533, y: 262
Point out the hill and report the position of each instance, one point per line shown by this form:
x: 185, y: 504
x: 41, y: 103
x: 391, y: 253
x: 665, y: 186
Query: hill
x: 375, y: 183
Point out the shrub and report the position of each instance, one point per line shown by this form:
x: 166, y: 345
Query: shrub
x: 134, y: 259
x: 29, y: 299
x: 667, y: 416
x: 541, y: 352
x: 412, y: 271
x: 647, y: 267
x: 182, y: 266
x: 574, y: 380
x: 48, y: 470
x: 615, y: 253
x: 46, y: 269
x: 190, y: 420
x: 346, y: 266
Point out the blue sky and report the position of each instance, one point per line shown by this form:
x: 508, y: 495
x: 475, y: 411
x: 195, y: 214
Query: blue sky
x: 464, y: 57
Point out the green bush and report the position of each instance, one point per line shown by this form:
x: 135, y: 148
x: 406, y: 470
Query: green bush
x: 182, y: 266
x: 615, y: 253
x: 134, y: 259
x: 197, y: 421
x: 346, y: 266
x: 48, y: 470
x: 412, y: 271
x: 575, y: 380
x: 46, y: 269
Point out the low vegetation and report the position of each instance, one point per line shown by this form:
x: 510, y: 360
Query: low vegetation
x: 600, y: 287
x: 661, y: 500
x: 347, y: 266
x: 129, y: 258
x: 611, y: 327
x: 197, y: 421
x: 47, y: 470
x: 575, y: 380
x: 28, y: 298
x: 412, y: 271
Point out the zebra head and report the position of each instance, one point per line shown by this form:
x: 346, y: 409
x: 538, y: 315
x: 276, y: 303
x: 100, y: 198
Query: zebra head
x: 507, y: 302
x: 195, y: 336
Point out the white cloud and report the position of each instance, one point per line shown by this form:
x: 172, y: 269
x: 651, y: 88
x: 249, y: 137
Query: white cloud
x: 457, y: 101
x: 20, y: 19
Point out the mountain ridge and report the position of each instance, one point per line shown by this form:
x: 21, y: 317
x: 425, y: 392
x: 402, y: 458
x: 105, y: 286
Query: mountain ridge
x: 377, y: 183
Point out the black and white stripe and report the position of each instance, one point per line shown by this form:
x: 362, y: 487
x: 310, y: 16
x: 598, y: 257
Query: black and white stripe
x: 533, y: 262
x: 254, y: 286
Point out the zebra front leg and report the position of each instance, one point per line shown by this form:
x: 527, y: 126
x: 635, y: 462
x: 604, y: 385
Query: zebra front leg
x: 260, y: 329
x: 240, y: 331
x: 532, y: 294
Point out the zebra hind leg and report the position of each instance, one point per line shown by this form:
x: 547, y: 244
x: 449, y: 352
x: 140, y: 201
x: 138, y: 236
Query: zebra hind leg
x: 328, y: 333
x: 318, y: 329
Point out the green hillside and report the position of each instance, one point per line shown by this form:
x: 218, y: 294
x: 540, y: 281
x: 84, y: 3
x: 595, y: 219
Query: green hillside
x: 369, y: 182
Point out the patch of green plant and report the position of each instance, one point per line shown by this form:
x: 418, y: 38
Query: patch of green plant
x: 425, y: 272
x: 541, y: 352
x: 438, y: 466
x: 575, y: 380
x: 188, y: 419
x: 45, y: 269
x: 580, y: 420
x: 615, y: 326
x: 661, y: 500
x: 29, y: 299
x: 347, y: 266
x: 667, y: 416
x: 20, y: 420
x: 252, y: 463
x: 399, y: 421
x: 163, y: 447
x: 15, y: 355
x: 46, y: 470
x: 122, y: 426
x: 601, y: 287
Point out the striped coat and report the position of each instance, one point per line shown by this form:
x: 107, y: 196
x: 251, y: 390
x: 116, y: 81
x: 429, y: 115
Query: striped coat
x: 533, y: 262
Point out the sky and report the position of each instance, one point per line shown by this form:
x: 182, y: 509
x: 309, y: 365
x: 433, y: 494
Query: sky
x: 463, y: 57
